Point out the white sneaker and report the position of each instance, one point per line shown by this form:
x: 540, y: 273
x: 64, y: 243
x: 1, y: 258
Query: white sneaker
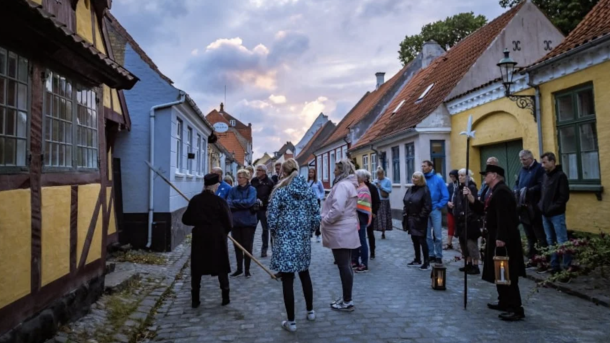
x: 289, y: 326
x: 318, y: 239
x: 311, y: 315
x: 343, y: 306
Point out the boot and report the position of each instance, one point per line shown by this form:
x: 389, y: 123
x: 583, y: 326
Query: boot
x: 467, y: 268
x: 225, y: 297
x: 195, y: 298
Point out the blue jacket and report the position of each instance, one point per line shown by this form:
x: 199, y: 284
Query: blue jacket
x: 317, y: 189
x: 531, y: 178
x: 241, y: 200
x: 438, y: 190
x: 385, y: 185
x: 223, y: 190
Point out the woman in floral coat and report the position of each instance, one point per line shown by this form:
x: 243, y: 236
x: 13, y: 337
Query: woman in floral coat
x: 293, y: 214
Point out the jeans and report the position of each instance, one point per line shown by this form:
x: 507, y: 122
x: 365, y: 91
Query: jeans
x: 287, y: 287
x: 262, y: 218
x: 557, y: 232
x: 343, y: 257
x: 435, y: 234
x: 361, y: 253
x: 370, y: 232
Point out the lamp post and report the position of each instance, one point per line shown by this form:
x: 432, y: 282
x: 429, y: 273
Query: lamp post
x: 507, y: 69
x: 469, y: 133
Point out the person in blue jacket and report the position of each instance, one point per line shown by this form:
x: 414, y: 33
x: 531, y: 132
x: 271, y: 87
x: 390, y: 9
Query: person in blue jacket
x: 383, y: 220
x: 224, y: 187
x: 440, y: 197
x: 241, y: 200
x: 318, y: 190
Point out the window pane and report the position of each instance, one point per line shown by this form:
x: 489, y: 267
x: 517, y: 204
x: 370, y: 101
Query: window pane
x: 567, y: 140
x: 11, y: 93
x: 586, y: 105
x: 1, y: 122
x: 590, y: 165
x: 570, y: 165
x: 395, y: 165
x: 437, y: 148
x: 12, y: 65
x: 22, y: 124
x: 23, y: 69
x: 565, y: 109
x: 2, y: 68
x: 1, y: 150
x: 2, y: 89
x: 9, y: 151
x: 9, y: 122
x: 588, y: 137
x: 21, y: 152
x: 22, y: 96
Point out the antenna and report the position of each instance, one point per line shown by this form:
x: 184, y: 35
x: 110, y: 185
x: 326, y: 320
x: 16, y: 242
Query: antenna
x: 225, y: 94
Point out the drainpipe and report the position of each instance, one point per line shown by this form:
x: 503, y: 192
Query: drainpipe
x: 379, y: 156
x: 538, y: 121
x: 151, y: 158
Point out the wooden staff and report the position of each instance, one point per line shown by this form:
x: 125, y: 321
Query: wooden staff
x: 469, y: 134
x: 231, y: 238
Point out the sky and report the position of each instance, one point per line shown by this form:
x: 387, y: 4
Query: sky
x: 282, y: 62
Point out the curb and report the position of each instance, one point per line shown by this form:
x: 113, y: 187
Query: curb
x: 569, y: 291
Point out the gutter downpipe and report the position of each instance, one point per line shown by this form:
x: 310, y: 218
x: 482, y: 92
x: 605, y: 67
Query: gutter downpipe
x: 381, y: 157
x: 151, y: 158
x: 538, y: 121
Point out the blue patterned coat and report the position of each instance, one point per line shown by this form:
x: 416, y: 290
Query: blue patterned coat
x: 293, y: 214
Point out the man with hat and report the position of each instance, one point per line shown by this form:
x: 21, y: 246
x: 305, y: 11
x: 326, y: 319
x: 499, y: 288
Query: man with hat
x: 501, y: 220
x: 211, y: 218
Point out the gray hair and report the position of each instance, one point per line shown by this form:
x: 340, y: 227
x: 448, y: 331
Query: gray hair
x: 228, y: 178
x: 261, y: 167
x: 525, y: 153
x: 363, y: 174
x: 217, y: 169
x: 346, y: 168
x: 463, y: 172
x: 493, y: 161
x: 244, y: 172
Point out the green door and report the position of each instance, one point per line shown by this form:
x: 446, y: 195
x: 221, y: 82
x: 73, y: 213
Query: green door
x: 508, y: 155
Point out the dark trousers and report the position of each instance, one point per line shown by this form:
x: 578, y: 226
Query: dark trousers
x: 370, y: 232
x: 318, y: 232
x: 245, y: 237
x: 343, y: 257
x: 420, y: 244
x: 509, y: 296
x: 535, y: 235
x: 223, y: 279
x: 287, y: 287
x: 262, y: 218
x: 361, y: 255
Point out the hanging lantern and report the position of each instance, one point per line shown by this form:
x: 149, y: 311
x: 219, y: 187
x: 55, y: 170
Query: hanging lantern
x: 439, y: 277
x: 501, y: 270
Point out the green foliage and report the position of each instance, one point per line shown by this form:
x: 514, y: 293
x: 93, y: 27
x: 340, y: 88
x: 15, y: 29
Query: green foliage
x: 565, y: 14
x: 445, y: 32
x: 141, y: 257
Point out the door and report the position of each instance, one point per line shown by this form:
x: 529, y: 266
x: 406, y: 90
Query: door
x: 507, y: 154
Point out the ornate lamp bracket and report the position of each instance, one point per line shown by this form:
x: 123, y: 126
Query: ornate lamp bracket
x: 525, y: 102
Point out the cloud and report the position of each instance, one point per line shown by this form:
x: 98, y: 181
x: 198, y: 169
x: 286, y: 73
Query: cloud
x: 277, y: 99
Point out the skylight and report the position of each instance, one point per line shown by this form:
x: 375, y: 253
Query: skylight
x: 425, y: 92
x: 398, y: 107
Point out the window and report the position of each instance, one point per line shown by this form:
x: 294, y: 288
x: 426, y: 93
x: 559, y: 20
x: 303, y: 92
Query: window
x: 232, y: 122
x: 178, y: 144
x: 14, y: 90
x: 395, y: 165
x: 70, y: 127
x: 398, y: 107
x: 421, y: 97
x: 325, y: 167
x: 199, y: 156
x: 189, y: 149
x: 409, y: 160
x: 577, y: 133
x: 373, y: 163
x: 344, y: 151
x: 319, y: 166
x: 437, y: 155
x: 365, y: 162
x: 204, y: 156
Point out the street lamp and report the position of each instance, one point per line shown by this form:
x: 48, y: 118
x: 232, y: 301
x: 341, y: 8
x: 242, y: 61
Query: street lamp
x: 507, y: 69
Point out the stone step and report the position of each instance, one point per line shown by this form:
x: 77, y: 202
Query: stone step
x: 118, y: 280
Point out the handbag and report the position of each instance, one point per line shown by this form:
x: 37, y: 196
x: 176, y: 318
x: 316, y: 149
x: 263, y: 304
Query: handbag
x: 384, y: 194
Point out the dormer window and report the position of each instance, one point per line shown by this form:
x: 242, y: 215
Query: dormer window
x: 232, y: 122
x: 421, y: 97
x: 398, y: 107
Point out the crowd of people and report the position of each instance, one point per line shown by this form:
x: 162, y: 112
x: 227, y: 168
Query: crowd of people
x: 292, y: 209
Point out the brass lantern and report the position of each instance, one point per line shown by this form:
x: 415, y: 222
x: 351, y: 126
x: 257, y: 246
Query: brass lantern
x: 501, y: 270
x: 439, y: 277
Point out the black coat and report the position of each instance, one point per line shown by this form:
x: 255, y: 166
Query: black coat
x: 211, y: 218
x: 459, y: 213
x: 376, y: 200
x: 530, y: 179
x: 417, y: 207
x: 502, y: 224
x: 555, y: 193
x: 264, y: 188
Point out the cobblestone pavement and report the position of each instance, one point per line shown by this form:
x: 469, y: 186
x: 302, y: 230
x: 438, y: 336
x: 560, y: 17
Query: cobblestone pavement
x: 394, y: 303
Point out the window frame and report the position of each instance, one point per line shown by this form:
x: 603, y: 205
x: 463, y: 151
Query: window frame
x: 15, y: 169
x: 198, y: 155
x: 438, y: 155
x: 409, y: 158
x: 75, y: 84
x: 577, y: 123
x: 365, y: 162
x: 395, y: 150
x: 189, y: 150
x: 373, y: 158
x: 179, y: 143
x: 325, y: 163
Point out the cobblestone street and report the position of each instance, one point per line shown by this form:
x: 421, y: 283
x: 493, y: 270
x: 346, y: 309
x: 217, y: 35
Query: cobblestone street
x: 394, y: 303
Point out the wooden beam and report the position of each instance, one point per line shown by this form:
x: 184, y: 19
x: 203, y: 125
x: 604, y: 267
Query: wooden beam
x: 35, y: 173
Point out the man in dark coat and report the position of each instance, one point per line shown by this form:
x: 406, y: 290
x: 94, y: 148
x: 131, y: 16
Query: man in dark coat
x: 211, y: 218
x: 376, y: 201
x: 264, y: 186
x: 502, y: 223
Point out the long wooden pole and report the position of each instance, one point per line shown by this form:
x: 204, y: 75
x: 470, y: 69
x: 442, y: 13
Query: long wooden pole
x: 231, y: 238
x: 465, y: 201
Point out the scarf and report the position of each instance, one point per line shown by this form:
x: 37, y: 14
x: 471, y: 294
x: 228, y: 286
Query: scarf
x: 364, y: 202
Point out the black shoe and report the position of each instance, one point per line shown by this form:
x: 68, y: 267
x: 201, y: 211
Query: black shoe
x: 512, y: 316
x: 195, y: 304
x: 225, y: 297
x: 425, y: 266
x: 467, y: 268
x: 195, y: 299
x: 248, y: 275
x: 474, y: 270
x: 431, y: 259
x: 414, y: 263
x: 383, y: 236
x: 497, y: 307
x: 372, y: 257
x: 237, y: 273
x: 264, y: 253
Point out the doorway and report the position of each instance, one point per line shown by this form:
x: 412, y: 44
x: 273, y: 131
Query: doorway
x: 507, y: 154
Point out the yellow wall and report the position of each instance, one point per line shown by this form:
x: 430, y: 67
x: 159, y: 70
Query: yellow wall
x: 358, y: 156
x: 111, y: 221
x: 87, y: 199
x: 38, y: 1
x: 55, y: 232
x: 15, y: 245
x: 83, y: 20
x: 116, y: 104
x: 107, y: 102
x: 585, y: 212
x: 99, y: 40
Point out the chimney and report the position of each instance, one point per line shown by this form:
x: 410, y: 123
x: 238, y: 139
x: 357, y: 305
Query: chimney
x: 380, y: 79
x: 430, y: 51
x: 222, y: 107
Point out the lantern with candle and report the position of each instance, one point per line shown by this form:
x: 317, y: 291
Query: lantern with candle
x: 439, y: 277
x: 501, y: 269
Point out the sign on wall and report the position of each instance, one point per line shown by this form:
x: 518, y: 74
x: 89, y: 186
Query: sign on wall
x: 221, y: 127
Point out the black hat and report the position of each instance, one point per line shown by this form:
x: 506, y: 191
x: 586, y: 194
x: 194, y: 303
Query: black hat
x: 454, y: 172
x: 211, y: 179
x: 493, y: 169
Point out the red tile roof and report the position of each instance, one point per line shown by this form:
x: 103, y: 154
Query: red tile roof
x: 244, y: 130
x: 314, y: 143
x: 595, y: 25
x: 231, y: 143
x: 362, y: 108
x: 444, y: 72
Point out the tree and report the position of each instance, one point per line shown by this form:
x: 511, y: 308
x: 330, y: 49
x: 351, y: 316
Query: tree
x: 445, y: 32
x: 565, y: 14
